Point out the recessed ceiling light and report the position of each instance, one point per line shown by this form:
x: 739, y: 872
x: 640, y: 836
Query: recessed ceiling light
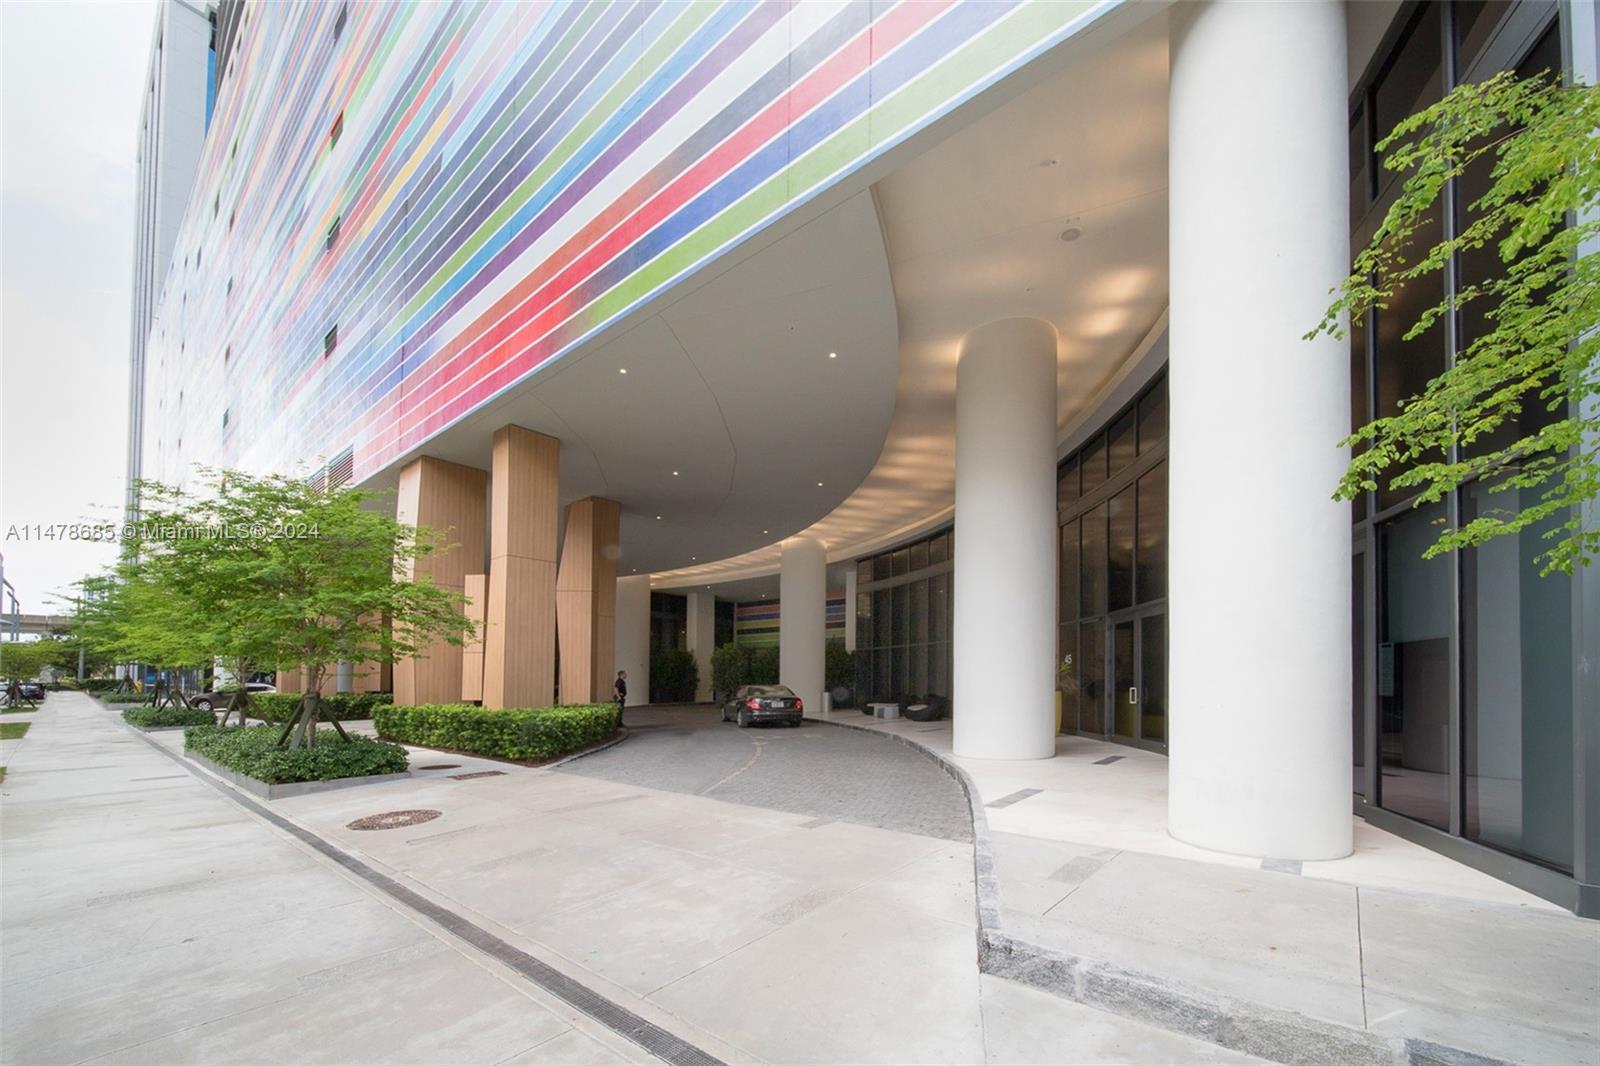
x: 694, y: 558
x: 833, y: 355
x: 622, y: 370
x: 765, y: 531
x: 819, y: 484
x: 1071, y: 233
x: 674, y: 473
x: 658, y: 518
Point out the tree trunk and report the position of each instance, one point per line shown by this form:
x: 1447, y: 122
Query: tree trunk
x: 240, y: 702
x: 306, y: 735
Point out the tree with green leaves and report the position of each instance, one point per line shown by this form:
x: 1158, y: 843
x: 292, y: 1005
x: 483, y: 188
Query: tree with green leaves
x: 24, y: 661
x: 297, y: 578
x: 135, y: 614
x: 1535, y: 350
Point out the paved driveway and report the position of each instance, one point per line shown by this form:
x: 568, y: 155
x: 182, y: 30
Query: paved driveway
x: 818, y: 769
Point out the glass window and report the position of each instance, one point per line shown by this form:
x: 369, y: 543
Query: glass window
x: 883, y: 614
x: 919, y: 670
x: 1093, y: 461
x: 902, y: 615
x: 1358, y: 675
x: 1067, y: 600
x: 939, y: 669
x: 882, y: 567
x: 1067, y: 483
x: 1517, y: 697
x: 1360, y: 156
x: 1413, y: 81
x: 1152, y: 561
x: 1119, y: 553
x: 939, y: 607
x: 1405, y: 367
x: 863, y: 620
x: 919, y: 613
x: 1153, y: 678
x: 902, y: 562
x: 939, y: 549
x: 1092, y: 581
x: 864, y: 572
x: 1358, y: 396
x: 1123, y: 441
x: 1414, y: 669
x: 1091, y: 689
x: 1475, y: 22
x: 919, y: 556
x: 1068, y: 674
x: 1153, y: 416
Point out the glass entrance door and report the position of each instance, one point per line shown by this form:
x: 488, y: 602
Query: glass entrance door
x: 1135, y: 699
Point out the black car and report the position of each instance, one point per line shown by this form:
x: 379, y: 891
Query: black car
x: 32, y: 690
x: 764, y: 703
x: 206, y: 701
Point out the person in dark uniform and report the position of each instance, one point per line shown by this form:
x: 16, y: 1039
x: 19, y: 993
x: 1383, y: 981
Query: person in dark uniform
x: 619, y: 692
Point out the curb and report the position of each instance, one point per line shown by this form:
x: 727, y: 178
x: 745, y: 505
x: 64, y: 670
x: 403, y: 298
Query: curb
x: 623, y: 733
x: 1237, y: 1024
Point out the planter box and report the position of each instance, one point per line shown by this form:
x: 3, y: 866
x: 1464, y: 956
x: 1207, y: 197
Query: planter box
x: 293, y: 788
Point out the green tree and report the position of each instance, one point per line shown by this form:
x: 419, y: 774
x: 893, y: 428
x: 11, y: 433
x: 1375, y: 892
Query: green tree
x: 133, y: 614
x: 1539, y: 345
x: 25, y: 660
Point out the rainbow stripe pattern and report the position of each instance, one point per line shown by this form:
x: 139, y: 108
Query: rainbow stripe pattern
x: 755, y: 625
x: 404, y: 209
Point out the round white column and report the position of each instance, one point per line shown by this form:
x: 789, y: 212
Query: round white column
x: 1005, y: 557
x: 633, y: 635
x: 1259, y: 731
x: 344, y: 675
x: 802, y: 621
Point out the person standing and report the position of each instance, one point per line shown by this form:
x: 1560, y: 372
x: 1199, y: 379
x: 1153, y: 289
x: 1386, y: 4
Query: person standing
x: 619, y: 692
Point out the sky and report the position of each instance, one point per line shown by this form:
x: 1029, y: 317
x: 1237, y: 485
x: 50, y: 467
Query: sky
x: 70, y: 76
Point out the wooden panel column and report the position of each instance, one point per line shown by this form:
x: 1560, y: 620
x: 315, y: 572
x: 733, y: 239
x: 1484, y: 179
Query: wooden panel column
x: 374, y: 676
x: 447, y: 498
x: 477, y: 591
x: 519, y: 646
x: 586, y: 600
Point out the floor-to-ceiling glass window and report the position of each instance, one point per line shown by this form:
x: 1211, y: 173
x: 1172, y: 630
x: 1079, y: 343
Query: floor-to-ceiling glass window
x: 1470, y: 655
x: 1111, y: 638
x: 903, y: 621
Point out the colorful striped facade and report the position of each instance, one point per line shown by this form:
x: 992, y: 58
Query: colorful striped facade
x: 755, y: 625
x: 403, y: 210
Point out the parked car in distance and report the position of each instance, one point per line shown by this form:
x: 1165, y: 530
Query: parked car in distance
x: 207, y: 701
x: 32, y: 690
x: 764, y: 703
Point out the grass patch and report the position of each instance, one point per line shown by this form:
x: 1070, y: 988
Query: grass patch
x: 17, y: 710
x: 13, y: 730
x: 167, y: 717
x: 253, y: 751
x: 2, y: 773
x: 517, y: 735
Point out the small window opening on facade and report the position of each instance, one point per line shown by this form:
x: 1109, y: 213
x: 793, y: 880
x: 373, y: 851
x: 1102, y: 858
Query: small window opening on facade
x: 330, y: 340
x: 338, y: 128
x: 333, y: 234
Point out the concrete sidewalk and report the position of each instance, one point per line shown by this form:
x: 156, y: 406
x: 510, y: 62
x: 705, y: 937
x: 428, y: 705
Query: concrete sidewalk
x: 1395, y: 940
x: 147, y: 917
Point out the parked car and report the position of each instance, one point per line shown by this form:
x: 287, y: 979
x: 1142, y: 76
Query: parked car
x: 207, y: 701
x: 764, y: 703
x: 32, y: 690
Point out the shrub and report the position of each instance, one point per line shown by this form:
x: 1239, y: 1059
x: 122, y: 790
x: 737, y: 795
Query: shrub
x: 253, y: 751
x: 165, y: 717
x: 674, y: 676
x: 840, y: 666
x: 764, y: 666
x: 124, y: 697
x: 339, y: 707
x: 99, y: 684
x: 509, y: 734
x: 730, y: 668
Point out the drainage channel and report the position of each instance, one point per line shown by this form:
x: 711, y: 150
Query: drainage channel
x: 646, y: 1034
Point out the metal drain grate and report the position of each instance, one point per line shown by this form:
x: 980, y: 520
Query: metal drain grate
x: 441, y: 766
x: 394, y: 819
x: 477, y: 773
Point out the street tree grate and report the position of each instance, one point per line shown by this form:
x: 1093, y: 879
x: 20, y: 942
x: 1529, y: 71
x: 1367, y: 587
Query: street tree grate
x: 477, y: 773
x: 393, y: 819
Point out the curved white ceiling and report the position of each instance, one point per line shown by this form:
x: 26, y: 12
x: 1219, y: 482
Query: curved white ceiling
x: 974, y: 229
x: 731, y: 411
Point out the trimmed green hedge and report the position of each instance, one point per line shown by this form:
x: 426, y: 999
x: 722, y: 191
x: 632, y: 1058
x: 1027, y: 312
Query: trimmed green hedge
x: 165, y: 717
x: 674, y: 676
x: 339, y: 707
x: 124, y: 697
x: 509, y: 734
x: 253, y: 751
x: 99, y: 684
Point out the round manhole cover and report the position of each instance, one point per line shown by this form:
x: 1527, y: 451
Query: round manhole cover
x: 441, y: 766
x: 393, y: 819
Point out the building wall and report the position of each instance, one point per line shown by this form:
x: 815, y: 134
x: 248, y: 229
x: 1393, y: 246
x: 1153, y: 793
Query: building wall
x: 172, y: 127
x: 504, y: 180
x: 756, y: 624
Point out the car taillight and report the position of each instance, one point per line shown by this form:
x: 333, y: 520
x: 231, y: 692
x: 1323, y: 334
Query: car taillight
x: 753, y: 703
x: 799, y: 704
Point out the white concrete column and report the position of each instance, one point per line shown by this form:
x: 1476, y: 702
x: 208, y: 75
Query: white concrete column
x: 633, y: 635
x: 802, y: 618
x: 850, y: 606
x: 702, y: 639
x: 344, y: 677
x: 1259, y: 730
x: 1005, y: 562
